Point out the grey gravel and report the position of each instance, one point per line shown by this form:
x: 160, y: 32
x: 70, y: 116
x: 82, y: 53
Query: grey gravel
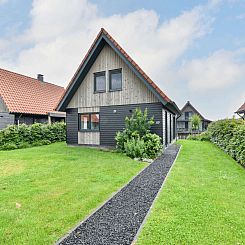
x: 119, y: 219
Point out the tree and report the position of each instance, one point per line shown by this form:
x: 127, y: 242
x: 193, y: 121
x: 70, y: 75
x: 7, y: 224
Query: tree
x: 195, y: 122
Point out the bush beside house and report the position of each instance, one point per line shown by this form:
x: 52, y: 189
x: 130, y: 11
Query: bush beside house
x: 23, y: 136
x: 136, y: 140
x: 229, y: 135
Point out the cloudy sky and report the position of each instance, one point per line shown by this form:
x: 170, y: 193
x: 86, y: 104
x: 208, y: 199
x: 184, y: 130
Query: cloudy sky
x: 193, y: 49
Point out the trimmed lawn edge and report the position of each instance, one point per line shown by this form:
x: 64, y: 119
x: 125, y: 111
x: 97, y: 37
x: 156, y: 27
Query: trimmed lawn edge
x: 99, y: 207
x: 158, y: 193
x: 202, y: 202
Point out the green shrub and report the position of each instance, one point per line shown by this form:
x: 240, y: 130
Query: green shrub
x: 204, y: 136
x: 136, y: 140
x: 41, y: 142
x: 135, y: 148
x: 192, y: 137
x: 152, y: 145
x: 229, y: 135
x: 24, y: 136
x: 8, y: 146
x: 23, y: 145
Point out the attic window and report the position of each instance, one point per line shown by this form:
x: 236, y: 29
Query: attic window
x: 99, y: 82
x: 115, y: 82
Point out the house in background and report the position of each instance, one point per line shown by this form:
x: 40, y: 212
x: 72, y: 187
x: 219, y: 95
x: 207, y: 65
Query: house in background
x: 27, y: 100
x: 241, y: 111
x: 184, y: 126
x: 107, y: 87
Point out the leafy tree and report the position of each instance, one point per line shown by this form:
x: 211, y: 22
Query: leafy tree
x: 195, y: 122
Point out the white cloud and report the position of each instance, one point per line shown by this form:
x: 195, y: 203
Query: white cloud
x: 62, y: 31
x: 217, y: 71
x: 241, y: 16
x: 3, y: 1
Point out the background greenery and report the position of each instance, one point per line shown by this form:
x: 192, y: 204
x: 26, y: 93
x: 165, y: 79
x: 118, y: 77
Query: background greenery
x: 229, y: 135
x: 23, y: 136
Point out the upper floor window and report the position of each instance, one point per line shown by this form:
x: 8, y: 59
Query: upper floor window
x: 99, y: 82
x: 89, y: 121
x: 115, y: 80
x: 188, y: 115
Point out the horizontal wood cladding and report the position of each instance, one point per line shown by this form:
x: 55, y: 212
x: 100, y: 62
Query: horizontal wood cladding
x: 133, y: 91
x: 72, y: 126
x: 6, y: 119
x: 88, y: 138
x: 112, y: 120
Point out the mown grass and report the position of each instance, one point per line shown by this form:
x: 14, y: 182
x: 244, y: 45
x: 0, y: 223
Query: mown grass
x: 202, y: 202
x: 57, y: 186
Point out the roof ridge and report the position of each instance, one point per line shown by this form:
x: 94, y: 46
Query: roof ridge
x: 19, y: 74
x: 138, y: 68
x: 189, y: 103
x: 127, y: 56
x: 103, y: 34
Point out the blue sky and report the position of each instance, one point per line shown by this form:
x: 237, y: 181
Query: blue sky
x: 194, y: 50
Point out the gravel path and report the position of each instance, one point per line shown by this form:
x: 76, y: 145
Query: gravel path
x: 119, y: 219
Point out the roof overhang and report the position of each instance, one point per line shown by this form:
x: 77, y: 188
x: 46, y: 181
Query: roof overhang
x: 241, y: 113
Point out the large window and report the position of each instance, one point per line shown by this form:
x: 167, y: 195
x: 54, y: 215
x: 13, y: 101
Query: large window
x: 99, y: 82
x: 115, y: 80
x: 89, y: 121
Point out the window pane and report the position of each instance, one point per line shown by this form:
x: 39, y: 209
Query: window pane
x: 116, y: 80
x: 85, y: 121
x: 95, y: 121
x: 99, y: 82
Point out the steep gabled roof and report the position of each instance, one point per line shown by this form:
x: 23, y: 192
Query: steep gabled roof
x: 22, y: 94
x: 194, y: 109
x: 105, y: 38
x: 241, y: 109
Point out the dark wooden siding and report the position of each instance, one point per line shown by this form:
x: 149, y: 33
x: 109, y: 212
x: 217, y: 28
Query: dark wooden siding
x: 166, y: 128
x: 112, y: 120
x: 30, y: 118
x: 72, y: 126
x: 6, y: 119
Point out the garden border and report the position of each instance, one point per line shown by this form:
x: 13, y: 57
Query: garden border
x: 101, y: 206
x: 157, y: 196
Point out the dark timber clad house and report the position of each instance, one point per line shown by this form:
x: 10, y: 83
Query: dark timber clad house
x: 184, y: 127
x: 27, y: 100
x: 106, y: 88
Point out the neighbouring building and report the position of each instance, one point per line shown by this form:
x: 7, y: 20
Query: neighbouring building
x: 241, y: 111
x: 107, y: 87
x: 27, y: 100
x: 184, y: 126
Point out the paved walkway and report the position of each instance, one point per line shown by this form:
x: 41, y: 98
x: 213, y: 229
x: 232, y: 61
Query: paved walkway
x: 119, y: 219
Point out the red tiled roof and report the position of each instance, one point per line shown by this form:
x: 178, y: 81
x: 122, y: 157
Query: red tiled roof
x: 23, y: 94
x: 135, y: 65
x: 242, y: 108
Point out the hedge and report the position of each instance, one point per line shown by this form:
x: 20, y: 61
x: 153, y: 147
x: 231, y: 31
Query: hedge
x: 229, y: 135
x: 23, y: 136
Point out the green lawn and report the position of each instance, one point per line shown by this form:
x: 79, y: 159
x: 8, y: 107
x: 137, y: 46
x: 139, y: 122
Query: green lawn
x: 202, y: 202
x: 57, y: 186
